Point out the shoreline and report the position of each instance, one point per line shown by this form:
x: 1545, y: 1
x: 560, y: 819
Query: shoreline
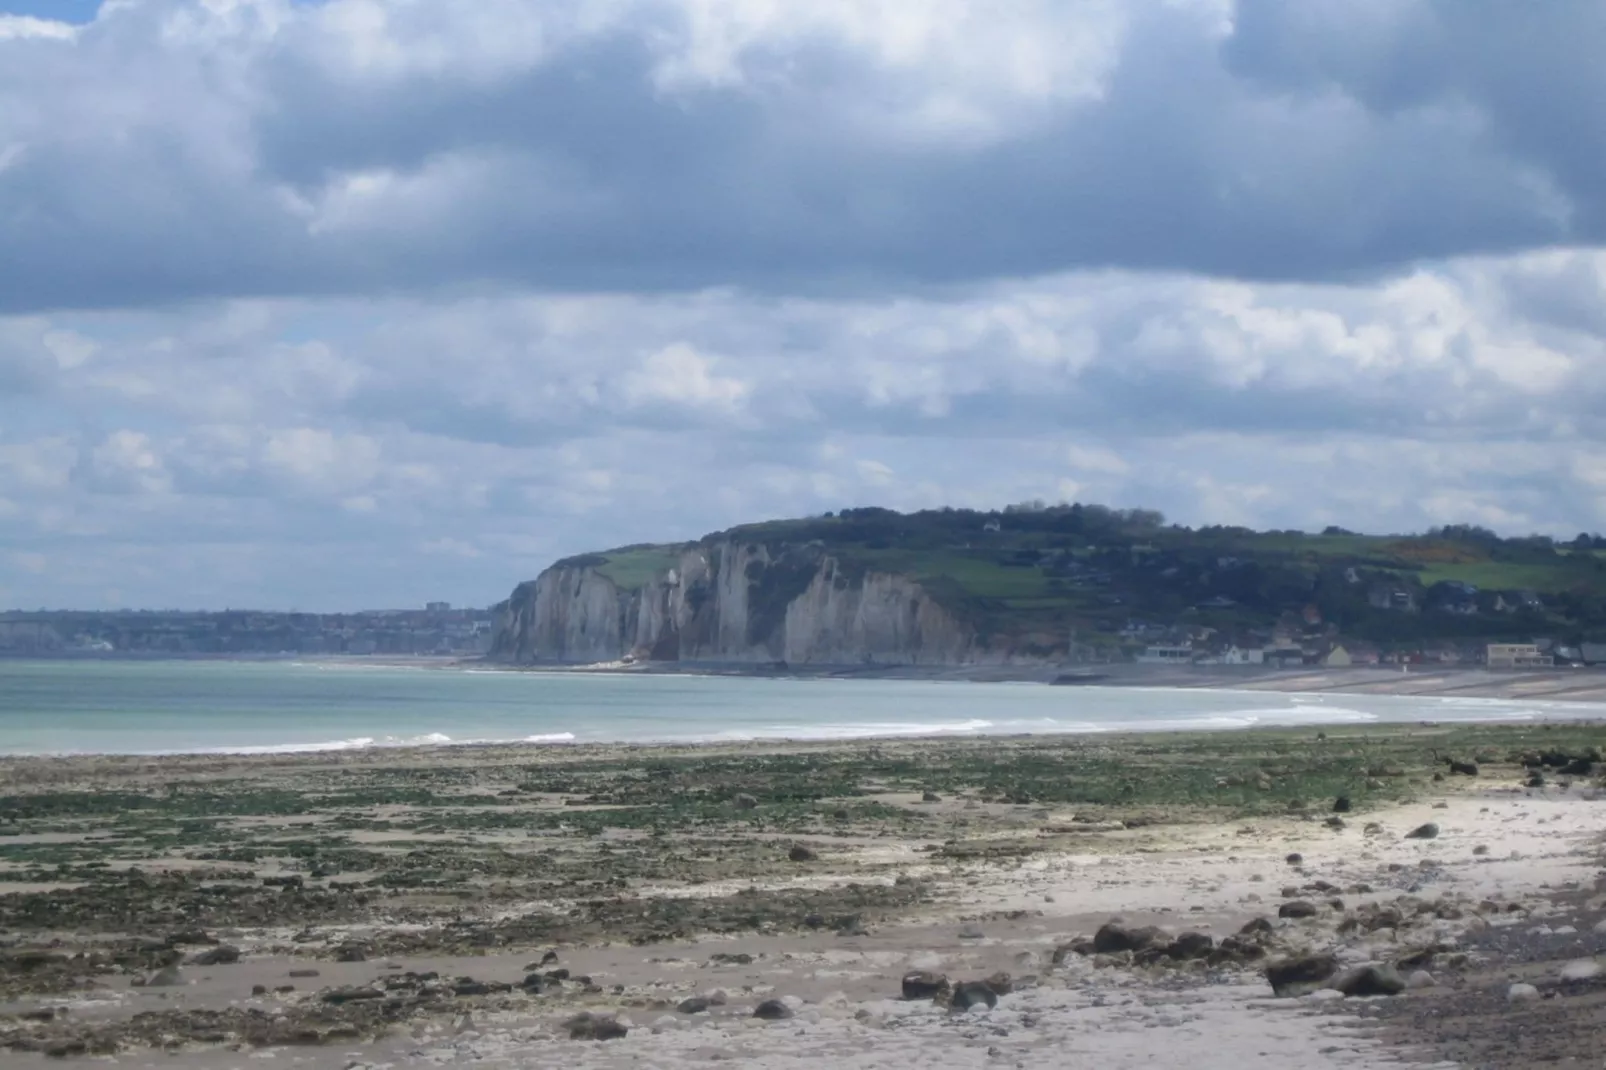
x: 1587, y: 684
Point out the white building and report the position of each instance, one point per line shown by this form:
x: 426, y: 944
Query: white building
x: 1166, y: 655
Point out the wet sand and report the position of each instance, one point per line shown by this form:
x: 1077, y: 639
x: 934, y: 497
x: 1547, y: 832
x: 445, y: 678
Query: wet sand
x: 421, y: 907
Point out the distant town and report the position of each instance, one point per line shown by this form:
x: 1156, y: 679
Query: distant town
x: 436, y: 629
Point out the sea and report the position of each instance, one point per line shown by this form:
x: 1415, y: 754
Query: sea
x: 255, y: 707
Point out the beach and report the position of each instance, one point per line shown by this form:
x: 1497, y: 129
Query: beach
x: 767, y: 903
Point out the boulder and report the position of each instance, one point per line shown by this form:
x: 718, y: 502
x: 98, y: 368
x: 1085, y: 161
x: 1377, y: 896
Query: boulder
x: 1420, y: 979
x: 1423, y: 832
x: 973, y: 994
x: 693, y: 1005
x: 1113, y: 937
x: 1190, y: 945
x: 589, y: 1026
x: 1521, y: 993
x: 221, y: 955
x: 1083, y: 947
x: 1464, y: 768
x: 1236, y: 949
x: 1001, y: 983
x: 338, y: 996
x: 1295, y: 859
x: 772, y: 1010
x: 924, y: 984
x: 1370, y: 980
x: 800, y: 853
x: 930, y: 797
x: 1297, y: 908
x: 1300, y: 974
x: 1342, y: 805
x: 1257, y: 927
x: 351, y: 953
x: 746, y: 802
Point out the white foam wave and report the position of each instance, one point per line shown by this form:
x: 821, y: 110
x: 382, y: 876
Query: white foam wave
x: 431, y: 739
x: 870, y: 730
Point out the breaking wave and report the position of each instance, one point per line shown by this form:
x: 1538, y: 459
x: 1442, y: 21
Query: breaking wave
x: 431, y: 739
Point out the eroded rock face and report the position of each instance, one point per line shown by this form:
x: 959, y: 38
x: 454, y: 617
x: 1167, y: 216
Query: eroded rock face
x: 734, y: 602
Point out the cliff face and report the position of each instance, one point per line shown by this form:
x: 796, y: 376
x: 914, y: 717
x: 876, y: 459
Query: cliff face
x: 733, y: 602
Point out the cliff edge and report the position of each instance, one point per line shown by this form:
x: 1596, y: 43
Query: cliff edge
x: 728, y: 602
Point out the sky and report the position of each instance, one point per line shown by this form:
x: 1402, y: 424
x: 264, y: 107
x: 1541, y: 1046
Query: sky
x: 356, y: 303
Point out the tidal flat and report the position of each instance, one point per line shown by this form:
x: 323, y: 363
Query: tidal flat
x: 768, y: 903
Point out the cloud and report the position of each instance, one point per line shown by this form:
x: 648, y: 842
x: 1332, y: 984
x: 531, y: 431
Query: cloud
x: 170, y: 151
x: 678, y: 375
x: 127, y: 462
x: 370, y: 302
x: 384, y: 450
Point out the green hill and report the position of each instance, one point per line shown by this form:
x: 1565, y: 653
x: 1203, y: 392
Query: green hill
x: 1035, y: 569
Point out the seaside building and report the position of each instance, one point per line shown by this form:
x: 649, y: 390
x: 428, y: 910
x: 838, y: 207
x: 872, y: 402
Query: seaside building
x: 1166, y: 655
x: 1516, y: 656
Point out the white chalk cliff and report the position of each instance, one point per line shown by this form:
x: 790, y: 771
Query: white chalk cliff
x: 733, y: 602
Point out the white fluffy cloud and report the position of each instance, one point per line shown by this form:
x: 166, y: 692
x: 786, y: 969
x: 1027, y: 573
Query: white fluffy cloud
x: 370, y: 301
x: 452, y: 445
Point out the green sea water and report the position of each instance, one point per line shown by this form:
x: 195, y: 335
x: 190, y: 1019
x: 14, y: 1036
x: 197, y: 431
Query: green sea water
x: 112, y: 706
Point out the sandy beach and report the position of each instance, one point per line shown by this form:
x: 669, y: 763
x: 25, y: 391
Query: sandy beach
x: 1564, y: 684
x: 1113, y: 901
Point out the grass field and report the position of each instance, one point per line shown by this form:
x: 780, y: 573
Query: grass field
x: 1022, y: 579
x: 634, y: 568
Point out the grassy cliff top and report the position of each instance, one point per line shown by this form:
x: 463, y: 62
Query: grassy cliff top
x: 1094, y: 569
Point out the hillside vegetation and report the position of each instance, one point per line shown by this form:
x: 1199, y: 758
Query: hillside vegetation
x: 1092, y: 572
